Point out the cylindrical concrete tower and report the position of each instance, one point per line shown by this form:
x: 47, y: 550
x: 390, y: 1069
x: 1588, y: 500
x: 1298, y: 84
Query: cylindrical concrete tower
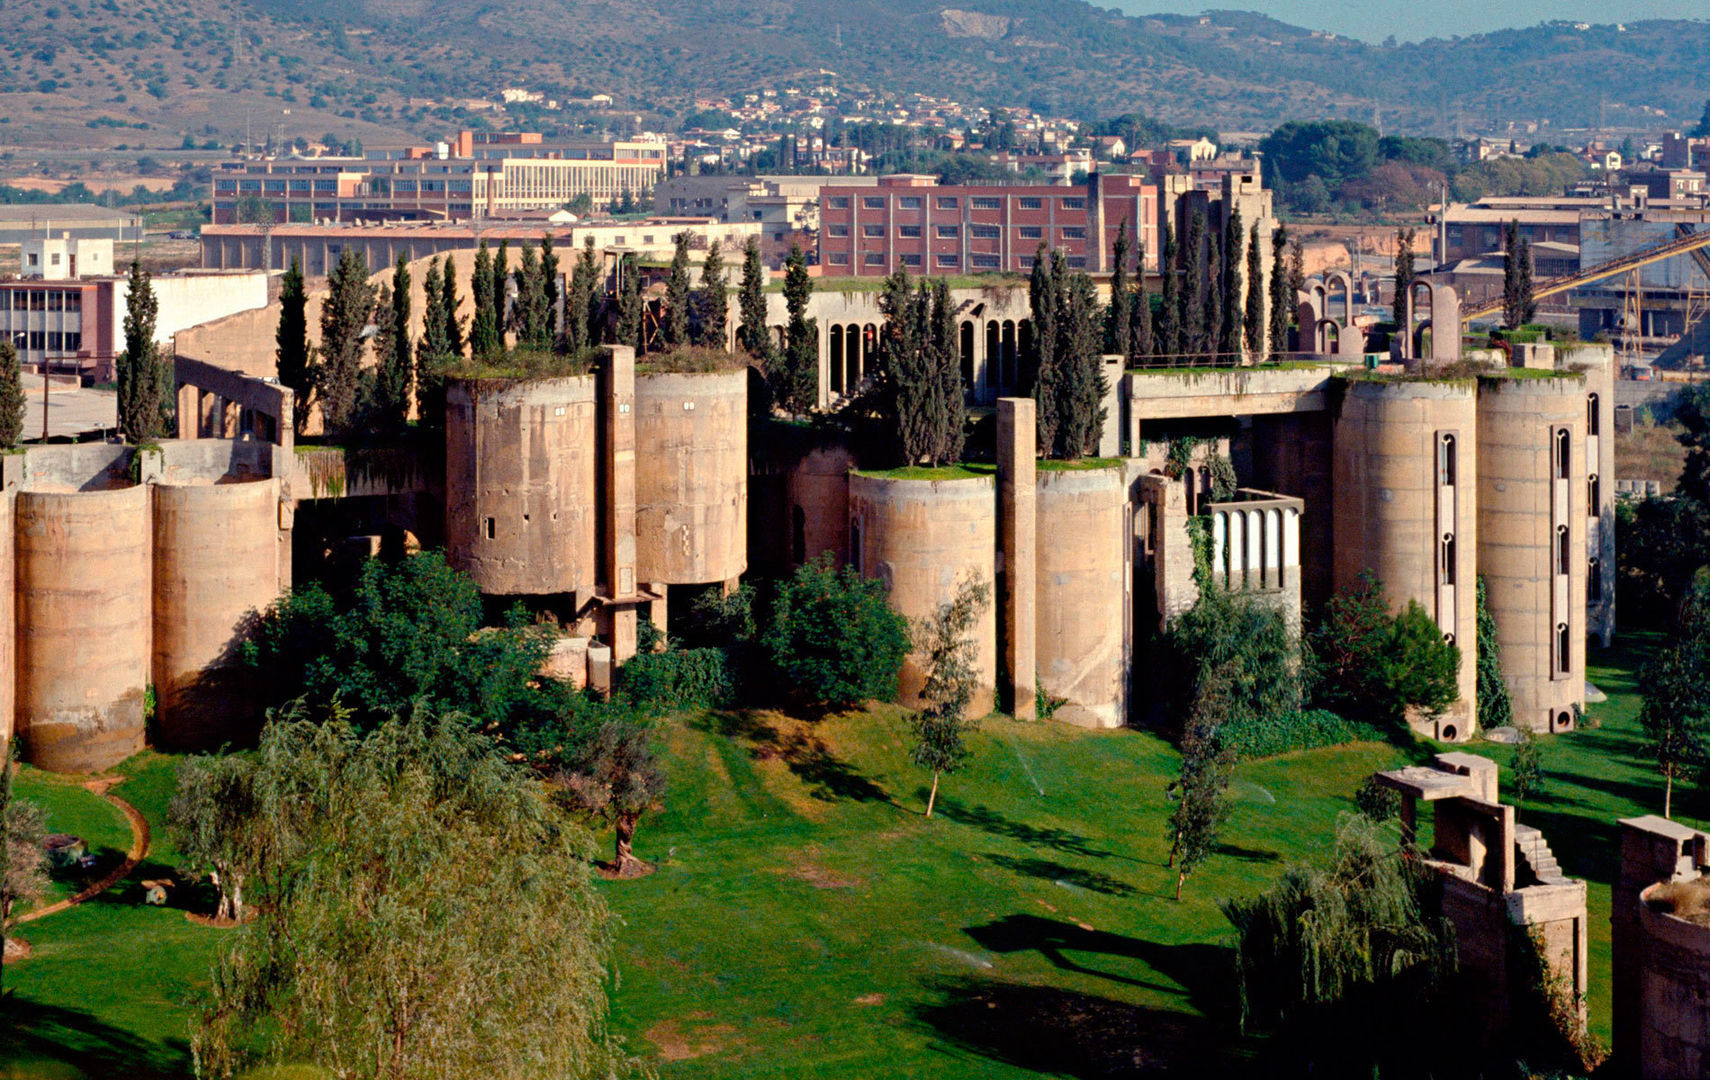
x: 215, y: 567
x: 817, y: 493
x: 923, y: 538
x: 520, y: 484
x: 83, y: 588
x: 1081, y: 592
x: 1597, y: 361
x: 1531, y: 539
x: 691, y: 477
x: 1406, y: 455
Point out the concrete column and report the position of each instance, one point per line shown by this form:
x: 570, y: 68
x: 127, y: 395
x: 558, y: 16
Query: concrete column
x: 207, y: 408
x: 618, y: 559
x: 658, y: 612
x: 1017, y: 525
x: 186, y: 412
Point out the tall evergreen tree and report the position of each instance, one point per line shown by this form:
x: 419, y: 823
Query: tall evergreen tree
x: 344, y: 316
x: 596, y: 293
x: 951, y: 411
x: 676, y: 319
x: 144, y: 378
x: 393, y: 377
x: 797, y: 384
x: 1080, y: 383
x: 1282, y: 301
x: 374, y: 406
x: 1404, y: 277
x: 292, y: 353
x: 1169, y: 335
x: 629, y: 330
x: 500, y: 284
x: 1511, y: 302
x: 1193, y: 290
x: 578, y: 334
x: 1211, y: 332
x: 911, y: 388
x: 712, y: 301
x: 1701, y: 130
x: 1119, y: 316
x: 1140, y: 340
x: 751, y: 331
x: 1229, y: 334
x: 1296, y: 267
x: 1525, y: 286
x: 11, y: 395
x: 1044, y: 293
x: 1253, y: 325
x: 549, y: 285
x: 433, y: 351
x: 453, y: 321
x: 528, y: 316
x: 484, y: 327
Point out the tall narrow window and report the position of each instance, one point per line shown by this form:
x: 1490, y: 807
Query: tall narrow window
x: 1593, y: 495
x: 1594, y: 581
x: 1591, y: 427
x: 1563, y: 554
x: 1562, y: 460
x: 1563, y: 653
x: 1446, y: 461
x: 1446, y: 559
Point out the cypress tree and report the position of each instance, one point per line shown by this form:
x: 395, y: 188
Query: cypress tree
x: 950, y: 412
x: 484, y: 327
x: 1081, y: 385
x: 629, y: 322
x: 1193, y: 291
x: 374, y: 406
x: 677, y: 294
x: 1404, y: 277
x: 751, y: 331
x: 528, y: 316
x: 291, y: 341
x: 1253, y: 326
x: 501, y: 276
x: 1282, y: 301
x: 596, y: 307
x: 1296, y: 267
x: 578, y: 335
x: 903, y: 387
x: 549, y: 285
x: 394, y: 376
x: 1045, y: 300
x: 1525, y: 286
x: 433, y: 351
x: 143, y: 377
x: 11, y: 396
x: 1119, y: 318
x: 712, y: 301
x: 1229, y: 337
x: 344, y: 315
x: 798, y: 383
x: 1211, y: 331
x: 1140, y: 343
x: 453, y: 321
x: 1169, y: 335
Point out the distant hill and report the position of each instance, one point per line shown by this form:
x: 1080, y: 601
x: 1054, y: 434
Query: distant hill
x: 377, y: 69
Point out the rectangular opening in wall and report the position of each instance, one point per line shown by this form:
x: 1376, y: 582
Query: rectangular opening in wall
x: 491, y: 532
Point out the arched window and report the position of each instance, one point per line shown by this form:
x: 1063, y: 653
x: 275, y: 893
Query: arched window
x: 1591, y: 427
x: 1446, y: 559
x: 1562, y: 459
x: 1593, y: 495
x: 1563, y: 651
x: 1563, y: 554
x: 1446, y: 463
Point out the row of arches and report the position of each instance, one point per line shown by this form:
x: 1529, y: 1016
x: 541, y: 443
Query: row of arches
x: 994, y: 355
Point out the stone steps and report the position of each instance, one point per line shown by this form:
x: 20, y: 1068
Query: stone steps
x: 1535, y: 852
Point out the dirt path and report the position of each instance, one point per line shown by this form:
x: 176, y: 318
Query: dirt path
x: 139, y: 848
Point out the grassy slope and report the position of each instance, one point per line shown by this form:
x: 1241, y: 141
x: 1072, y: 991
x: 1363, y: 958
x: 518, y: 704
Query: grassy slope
x: 72, y: 808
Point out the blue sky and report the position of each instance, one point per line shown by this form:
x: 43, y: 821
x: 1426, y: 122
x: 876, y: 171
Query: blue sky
x: 1412, y: 20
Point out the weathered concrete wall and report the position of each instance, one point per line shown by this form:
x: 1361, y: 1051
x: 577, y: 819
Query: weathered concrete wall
x: 923, y: 539
x: 1016, y: 591
x: 215, y: 568
x: 8, y: 639
x: 691, y: 477
x: 1292, y: 455
x: 1598, y: 364
x: 1081, y: 590
x: 1521, y: 504
x: 520, y: 484
x: 818, y: 489
x: 83, y: 591
x: 1661, y: 970
x: 1392, y: 509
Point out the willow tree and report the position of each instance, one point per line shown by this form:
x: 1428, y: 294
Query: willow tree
x: 951, y: 659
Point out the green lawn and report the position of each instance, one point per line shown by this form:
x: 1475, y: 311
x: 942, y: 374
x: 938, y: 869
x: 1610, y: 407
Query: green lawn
x: 72, y: 808
x: 807, y: 920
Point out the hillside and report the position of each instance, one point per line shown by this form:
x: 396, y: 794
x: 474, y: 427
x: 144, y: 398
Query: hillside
x: 80, y: 71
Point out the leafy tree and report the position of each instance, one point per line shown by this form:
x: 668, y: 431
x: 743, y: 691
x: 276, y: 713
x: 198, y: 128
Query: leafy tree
x: 675, y: 323
x: 11, y: 395
x: 1233, y: 286
x: 344, y: 317
x: 1692, y: 413
x: 796, y: 384
x: 23, y: 859
x: 484, y: 327
x: 1199, y: 791
x: 410, y: 631
x: 834, y: 638
x: 398, y: 865
x: 1372, y: 663
x: 1526, y: 767
x: 1282, y: 300
x: 615, y: 778
x: 1404, y: 277
x: 1332, y: 151
x: 213, y: 820
x: 950, y: 657
x: 1237, y: 644
x: 1118, y: 323
x: 1675, y: 712
x: 144, y: 375
x: 1701, y: 130
x: 751, y: 331
x: 1495, y: 707
x: 629, y: 330
x: 1253, y: 322
x: 373, y: 409
x: 1141, y: 342
x: 711, y: 301
x: 1348, y: 961
x: 293, y: 353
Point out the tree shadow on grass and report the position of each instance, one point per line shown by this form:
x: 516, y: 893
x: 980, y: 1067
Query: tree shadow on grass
x: 1205, y: 973
x: 1047, y: 870
x: 1062, y: 1032
x: 988, y: 820
x: 829, y: 778
x: 32, y: 1033
x: 1258, y: 855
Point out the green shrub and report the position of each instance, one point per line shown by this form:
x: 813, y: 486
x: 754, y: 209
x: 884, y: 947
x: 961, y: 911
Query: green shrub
x: 1371, y: 663
x: 679, y: 679
x: 1258, y: 736
x: 833, y: 637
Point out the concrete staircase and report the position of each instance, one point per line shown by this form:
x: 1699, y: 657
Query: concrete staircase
x: 1535, y: 855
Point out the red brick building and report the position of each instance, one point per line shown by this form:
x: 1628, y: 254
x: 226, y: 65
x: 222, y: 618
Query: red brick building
x: 911, y: 221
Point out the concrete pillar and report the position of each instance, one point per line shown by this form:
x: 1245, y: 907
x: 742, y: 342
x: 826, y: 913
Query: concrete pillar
x: 1017, y: 525
x: 659, y: 612
x: 207, y: 407
x: 186, y: 412
x: 618, y: 466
